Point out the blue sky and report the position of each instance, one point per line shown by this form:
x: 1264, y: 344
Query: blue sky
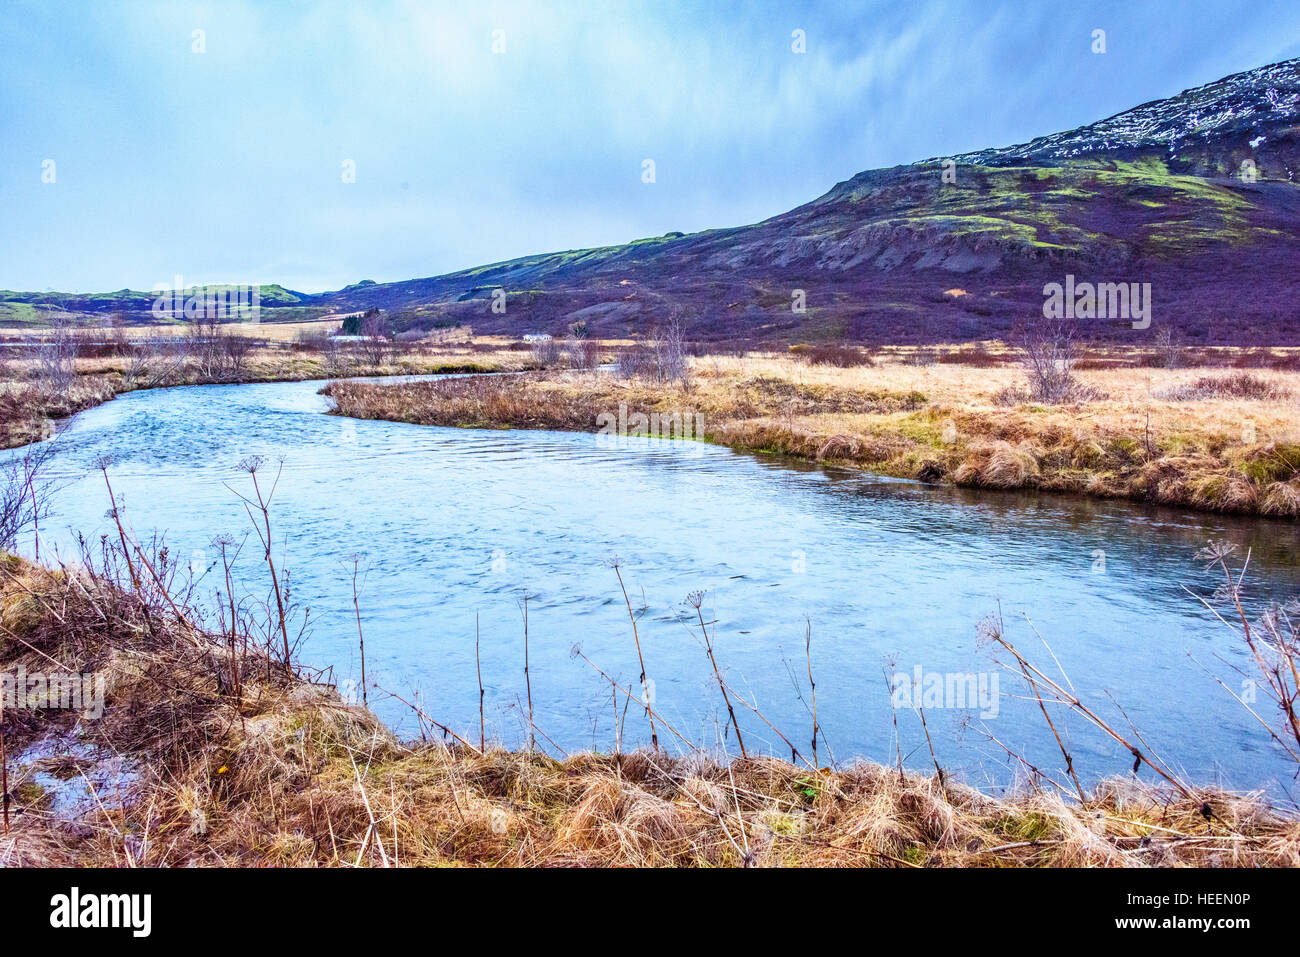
x: 226, y: 165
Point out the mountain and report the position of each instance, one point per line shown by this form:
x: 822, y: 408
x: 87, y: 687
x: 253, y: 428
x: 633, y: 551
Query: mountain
x: 1197, y: 194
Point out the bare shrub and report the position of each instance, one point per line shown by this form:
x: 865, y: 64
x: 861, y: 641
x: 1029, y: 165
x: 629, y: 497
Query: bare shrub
x: 203, y: 346
x: 670, y: 359
x: 635, y: 361
x: 376, y: 350
x: 546, y: 352
x: 236, y: 349
x: 340, y: 359
x: 1169, y: 347
x: 147, y: 364
x: 977, y: 356
x: 1238, y: 385
x: 56, y: 356
x: 583, y: 353
x: 1048, y: 352
x: 317, y: 339
x: 1011, y: 395
x: 24, y: 494
x: 843, y: 356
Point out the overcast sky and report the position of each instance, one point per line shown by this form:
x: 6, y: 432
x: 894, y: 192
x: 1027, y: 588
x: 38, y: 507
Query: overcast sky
x: 227, y: 165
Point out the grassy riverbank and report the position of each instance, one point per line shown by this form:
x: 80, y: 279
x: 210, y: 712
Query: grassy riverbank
x: 30, y: 404
x: 1220, y: 439
x: 209, y: 752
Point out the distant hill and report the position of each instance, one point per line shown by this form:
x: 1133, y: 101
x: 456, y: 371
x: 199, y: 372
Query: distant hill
x: 1198, y: 194
x: 34, y: 308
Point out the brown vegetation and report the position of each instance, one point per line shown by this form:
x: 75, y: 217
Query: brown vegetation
x: 843, y: 356
x: 1238, y: 385
x: 1149, y: 434
x: 210, y: 752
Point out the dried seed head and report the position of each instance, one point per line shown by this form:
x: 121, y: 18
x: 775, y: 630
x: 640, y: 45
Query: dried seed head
x: 1215, y: 552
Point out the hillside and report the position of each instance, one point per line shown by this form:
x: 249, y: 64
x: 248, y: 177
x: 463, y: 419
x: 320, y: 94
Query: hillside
x: 1196, y: 194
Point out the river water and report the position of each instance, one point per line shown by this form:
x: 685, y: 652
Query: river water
x: 456, y: 526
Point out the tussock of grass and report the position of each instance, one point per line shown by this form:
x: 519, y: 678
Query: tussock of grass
x: 997, y: 465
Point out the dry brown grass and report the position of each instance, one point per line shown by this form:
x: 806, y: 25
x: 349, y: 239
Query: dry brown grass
x: 27, y: 409
x: 941, y: 422
x: 284, y: 772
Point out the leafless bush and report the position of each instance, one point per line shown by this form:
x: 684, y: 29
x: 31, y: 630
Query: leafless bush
x: 1169, y: 347
x: 1238, y: 385
x: 670, y: 354
x: 1048, y: 352
x: 546, y: 352
x: 236, y: 349
x: 583, y: 353
x: 24, y: 494
x: 317, y: 339
x: 977, y: 356
x: 1274, y: 643
x: 635, y: 361
x: 662, y: 359
x: 203, y: 346
x: 219, y: 353
x: 340, y: 359
x: 376, y: 349
x: 843, y: 356
x: 147, y: 364
x: 1011, y: 395
x: 56, y: 357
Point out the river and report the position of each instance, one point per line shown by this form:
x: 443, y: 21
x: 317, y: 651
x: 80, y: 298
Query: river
x: 456, y: 526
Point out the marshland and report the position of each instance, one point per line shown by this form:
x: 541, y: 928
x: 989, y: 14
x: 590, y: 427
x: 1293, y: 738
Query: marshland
x: 513, y: 641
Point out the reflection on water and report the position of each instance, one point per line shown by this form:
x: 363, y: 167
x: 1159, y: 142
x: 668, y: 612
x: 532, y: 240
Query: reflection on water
x: 457, y: 524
